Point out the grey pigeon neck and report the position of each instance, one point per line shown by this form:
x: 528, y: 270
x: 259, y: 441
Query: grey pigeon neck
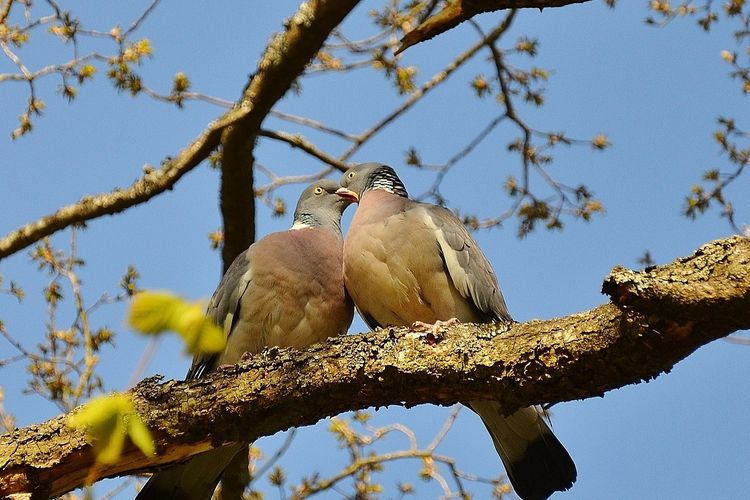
x: 303, y: 220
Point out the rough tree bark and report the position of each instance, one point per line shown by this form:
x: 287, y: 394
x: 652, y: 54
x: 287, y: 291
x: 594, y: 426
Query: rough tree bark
x: 657, y: 317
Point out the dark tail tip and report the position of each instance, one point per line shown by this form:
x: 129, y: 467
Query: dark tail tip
x: 544, y: 468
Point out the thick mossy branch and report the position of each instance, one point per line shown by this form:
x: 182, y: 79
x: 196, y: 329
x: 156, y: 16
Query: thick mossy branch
x: 658, y: 317
x: 712, y: 281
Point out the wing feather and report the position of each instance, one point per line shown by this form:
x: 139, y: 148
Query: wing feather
x: 223, y: 309
x: 468, y: 268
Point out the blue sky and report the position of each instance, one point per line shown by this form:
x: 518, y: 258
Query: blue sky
x: 655, y: 92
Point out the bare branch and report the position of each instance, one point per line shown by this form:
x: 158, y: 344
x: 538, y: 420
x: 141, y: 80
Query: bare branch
x: 299, y: 142
x: 137, y: 23
x: 370, y: 460
x: 442, y: 170
x: 659, y: 317
x: 276, y: 456
x: 454, y: 13
x: 186, y: 96
x: 447, y: 426
x: 301, y: 120
x: 26, y: 75
x: 277, y: 181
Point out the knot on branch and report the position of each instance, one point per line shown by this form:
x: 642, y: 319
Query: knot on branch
x: 715, y: 278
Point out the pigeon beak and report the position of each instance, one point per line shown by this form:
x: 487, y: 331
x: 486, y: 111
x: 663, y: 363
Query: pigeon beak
x: 347, y: 194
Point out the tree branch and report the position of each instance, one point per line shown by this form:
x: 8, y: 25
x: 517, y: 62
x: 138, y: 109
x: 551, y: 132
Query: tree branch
x: 299, y: 142
x: 454, y: 13
x: 659, y: 316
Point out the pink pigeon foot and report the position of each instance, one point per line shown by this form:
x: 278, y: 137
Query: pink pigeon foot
x: 421, y: 326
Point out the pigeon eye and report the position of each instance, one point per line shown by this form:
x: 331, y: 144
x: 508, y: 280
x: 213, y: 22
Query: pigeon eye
x: 318, y: 190
x: 351, y: 175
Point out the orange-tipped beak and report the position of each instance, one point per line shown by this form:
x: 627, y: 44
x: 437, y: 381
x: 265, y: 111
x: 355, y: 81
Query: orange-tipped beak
x: 347, y: 194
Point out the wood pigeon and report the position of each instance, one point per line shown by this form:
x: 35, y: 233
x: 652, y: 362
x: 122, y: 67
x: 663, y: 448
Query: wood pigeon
x: 407, y: 262
x: 286, y: 290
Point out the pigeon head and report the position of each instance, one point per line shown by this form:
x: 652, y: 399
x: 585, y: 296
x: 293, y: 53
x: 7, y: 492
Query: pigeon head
x: 369, y: 177
x: 319, y: 205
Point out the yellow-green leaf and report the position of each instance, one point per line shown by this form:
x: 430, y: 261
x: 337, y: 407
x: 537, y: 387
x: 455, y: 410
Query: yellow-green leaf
x: 153, y: 312
x: 140, y: 435
x: 156, y: 312
x: 201, y: 335
x: 96, y: 412
x: 103, y: 420
x: 109, y: 446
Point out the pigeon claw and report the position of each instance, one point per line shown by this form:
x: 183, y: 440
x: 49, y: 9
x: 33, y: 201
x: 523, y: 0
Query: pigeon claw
x: 439, y: 325
x: 435, y: 330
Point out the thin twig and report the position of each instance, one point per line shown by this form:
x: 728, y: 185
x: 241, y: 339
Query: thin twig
x: 289, y: 179
x: 299, y: 142
x: 380, y: 432
x: 465, y: 151
x: 48, y: 70
x: 735, y: 339
x: 447, y: 426
x: 136, y: 24
x: 148, y: 354
x: 90, y: 360
x: 301, y: 120
x: 12, y: 359
x: 16, y: 60
x: 117, y: 489
x: 276, y: 456
x: 357, y: 46
x: 188, y: 96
